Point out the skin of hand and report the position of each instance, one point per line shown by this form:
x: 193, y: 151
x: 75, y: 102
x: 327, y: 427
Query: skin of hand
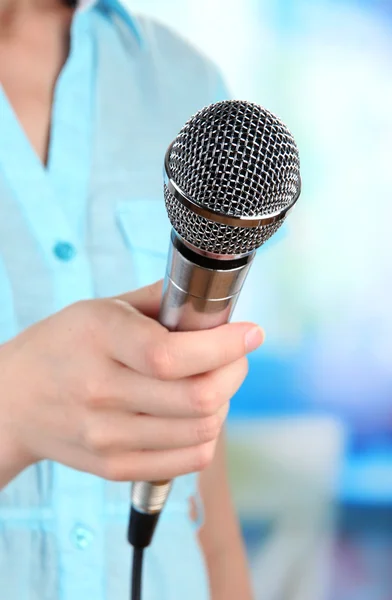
x: 102, y: 387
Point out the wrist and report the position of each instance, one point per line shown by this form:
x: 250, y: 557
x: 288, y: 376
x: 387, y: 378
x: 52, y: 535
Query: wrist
x: 13, y: 458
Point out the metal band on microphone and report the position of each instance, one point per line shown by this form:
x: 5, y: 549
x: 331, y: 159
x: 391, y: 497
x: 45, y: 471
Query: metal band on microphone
x: 216, y: 216
x: 150, y: 497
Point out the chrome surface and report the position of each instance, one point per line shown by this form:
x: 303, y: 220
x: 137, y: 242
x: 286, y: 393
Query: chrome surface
x: 150, y: 498
x: 218, y: 217
x: 232, y: 175
x: 197, y: 297
x: 194, y: 298
x: 207, y: 254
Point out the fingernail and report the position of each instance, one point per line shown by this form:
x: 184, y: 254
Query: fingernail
x: 254, y: 338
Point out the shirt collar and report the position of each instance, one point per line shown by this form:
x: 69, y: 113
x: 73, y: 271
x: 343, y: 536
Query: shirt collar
x: 117, y: 8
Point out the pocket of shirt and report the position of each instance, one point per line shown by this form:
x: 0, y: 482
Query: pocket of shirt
x: 8, y: 324
x: 145, y: 229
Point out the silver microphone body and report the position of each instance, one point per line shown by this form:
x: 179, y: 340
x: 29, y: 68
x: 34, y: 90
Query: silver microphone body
x: 200, y: 292
x: 231, y: 176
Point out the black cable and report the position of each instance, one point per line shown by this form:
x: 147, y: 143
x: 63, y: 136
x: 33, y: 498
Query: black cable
x: 137, y: 570
x: 140, y: 531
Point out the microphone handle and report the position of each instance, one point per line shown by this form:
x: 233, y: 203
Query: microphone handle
x: 200, y: 292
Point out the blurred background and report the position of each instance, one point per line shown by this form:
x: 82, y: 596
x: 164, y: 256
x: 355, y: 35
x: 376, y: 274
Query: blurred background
x: 310, y: 433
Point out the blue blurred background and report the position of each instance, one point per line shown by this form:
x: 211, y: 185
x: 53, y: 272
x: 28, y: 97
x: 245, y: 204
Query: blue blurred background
x: 311, y: 430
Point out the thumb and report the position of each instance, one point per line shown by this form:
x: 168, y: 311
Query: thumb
x: 146, y: 300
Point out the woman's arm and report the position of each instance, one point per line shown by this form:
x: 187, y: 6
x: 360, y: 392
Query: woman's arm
x: 220, y: 535
x: 12, y: 459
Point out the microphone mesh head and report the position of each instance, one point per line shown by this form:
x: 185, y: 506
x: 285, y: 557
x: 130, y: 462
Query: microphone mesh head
x: 240, y: 160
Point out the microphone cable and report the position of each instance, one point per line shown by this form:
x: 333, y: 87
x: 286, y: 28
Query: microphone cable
x: 140, y: 531
x: 137, y: 573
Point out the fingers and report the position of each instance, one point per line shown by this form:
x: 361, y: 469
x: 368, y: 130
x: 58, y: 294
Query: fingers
x: 153, y: 465
x: 145, y: 346
x: 183, y: 354
x: 114, y: 431
x: 187, y: 413
x: 146, y: 300
x: 197, y: 396
x: 150, y: 465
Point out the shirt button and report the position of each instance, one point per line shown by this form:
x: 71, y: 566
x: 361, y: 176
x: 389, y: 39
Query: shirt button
x: 64, y: 251
x: 82, y: 537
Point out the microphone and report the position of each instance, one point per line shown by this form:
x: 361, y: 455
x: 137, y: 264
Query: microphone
x: 230, y: 178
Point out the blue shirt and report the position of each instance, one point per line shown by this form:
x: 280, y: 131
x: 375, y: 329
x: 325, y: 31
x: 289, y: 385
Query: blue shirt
x: 93, y: 224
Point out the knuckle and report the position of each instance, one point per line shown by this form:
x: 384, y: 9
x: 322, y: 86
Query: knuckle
x: 205, y: 397
x: 95, y: 439
x: 244, y: 363
x: 94, y: 318
x: 238, y: 375
x: 87, y: 317
x: 113, y: 470
x: 79, y: 309
x: 110, y: 470
x: 97, y: 389
x: 208, y: 429
x: 159, y: 360
x: 204, y: 456
x: 92, y: 392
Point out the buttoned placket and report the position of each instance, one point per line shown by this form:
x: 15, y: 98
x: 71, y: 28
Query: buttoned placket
x: 53, y: 204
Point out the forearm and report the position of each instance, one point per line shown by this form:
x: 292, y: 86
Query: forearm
x: 227, y: 568
x: 220, y: 536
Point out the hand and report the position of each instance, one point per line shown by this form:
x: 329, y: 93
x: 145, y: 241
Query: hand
x: 102, y: 387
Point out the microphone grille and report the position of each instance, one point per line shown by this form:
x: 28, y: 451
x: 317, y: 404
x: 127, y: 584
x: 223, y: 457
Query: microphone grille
x: 215, y: 237
x: 238, y: 159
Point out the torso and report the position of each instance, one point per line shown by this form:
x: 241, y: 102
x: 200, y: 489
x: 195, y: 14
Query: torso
x: 33, y: 50
x: 101, y: 194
